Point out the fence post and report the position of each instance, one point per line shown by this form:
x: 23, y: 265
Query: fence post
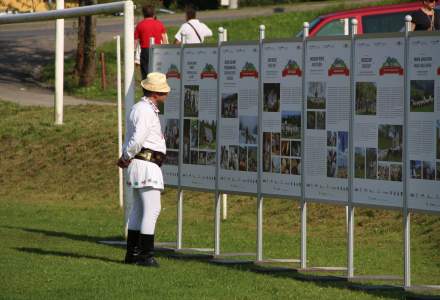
x: 350, y: 208
x: 406, y: 213
x: 303, y: 212
x: 218, y: 155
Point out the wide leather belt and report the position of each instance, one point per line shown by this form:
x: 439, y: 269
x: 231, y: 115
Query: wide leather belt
x: 150, y: 155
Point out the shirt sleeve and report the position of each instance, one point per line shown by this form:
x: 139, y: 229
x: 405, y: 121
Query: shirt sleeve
x: 178, y: 34
x: 140, y: 133
x: 208, y: 32
x: 136, y: 32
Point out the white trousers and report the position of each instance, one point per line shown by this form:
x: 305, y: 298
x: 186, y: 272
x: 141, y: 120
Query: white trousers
x: 145, y: 210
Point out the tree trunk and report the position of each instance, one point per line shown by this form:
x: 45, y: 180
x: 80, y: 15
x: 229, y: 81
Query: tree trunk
x: 86, y: 51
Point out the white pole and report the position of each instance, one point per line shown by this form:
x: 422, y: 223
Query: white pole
x: 119, y: 92
x: 406, y: 213
x: 233, y: 4
x: 350, y: 208
x: 224, y: 38
x: 303, y: 212
x: 225, y: 207
x: 217, y: 200
x: 59, y: 66
x: 260, y: 198
x: 180, y: 190
x: 129, y: 82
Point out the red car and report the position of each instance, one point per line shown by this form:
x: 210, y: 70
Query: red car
x: 374, y: 19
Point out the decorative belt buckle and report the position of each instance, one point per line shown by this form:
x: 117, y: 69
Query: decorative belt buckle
x: 148, y: 156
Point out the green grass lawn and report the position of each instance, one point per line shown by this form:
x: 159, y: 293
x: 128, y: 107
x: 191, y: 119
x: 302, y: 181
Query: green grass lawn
x: 59, y: 198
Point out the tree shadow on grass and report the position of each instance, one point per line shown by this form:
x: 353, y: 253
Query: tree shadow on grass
x: 65, y: 254
x: 66, y: 235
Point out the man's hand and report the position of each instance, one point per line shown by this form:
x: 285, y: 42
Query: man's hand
x: 122, y: 163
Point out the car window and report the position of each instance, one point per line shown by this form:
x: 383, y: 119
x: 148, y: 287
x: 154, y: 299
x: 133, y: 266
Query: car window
x: 312, y: 25
x: 391, y: 22
x: 335, y: 27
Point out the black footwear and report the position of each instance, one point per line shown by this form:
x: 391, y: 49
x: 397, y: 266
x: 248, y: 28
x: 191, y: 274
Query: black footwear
x: 146, y: 254
x: 132, y: 247
x: 148, y: 262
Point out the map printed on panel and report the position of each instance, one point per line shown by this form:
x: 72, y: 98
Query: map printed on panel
x: 239, y: 83
x: 424, y: 123
x: 282, y: 105
x: 167, y: 60
x: 327, y: 119
x: 378, y: 121
x: 200, y: 117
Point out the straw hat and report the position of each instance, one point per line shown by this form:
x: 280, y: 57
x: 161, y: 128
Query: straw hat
x: 156, y: 82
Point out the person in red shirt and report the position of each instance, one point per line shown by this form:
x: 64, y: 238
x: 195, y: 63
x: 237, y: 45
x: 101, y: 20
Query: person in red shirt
x: 145, y: 29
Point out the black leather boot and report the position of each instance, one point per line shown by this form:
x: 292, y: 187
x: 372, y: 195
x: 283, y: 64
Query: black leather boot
x: 146, y: 254
x: 132, y: 246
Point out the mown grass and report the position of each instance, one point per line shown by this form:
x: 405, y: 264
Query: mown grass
x: 282, y: 25
x: 59, y: 198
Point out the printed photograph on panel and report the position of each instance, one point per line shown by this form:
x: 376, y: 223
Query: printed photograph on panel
x: 390, y: 142
x: 242, y: 158
x: 331, y: 163
x: 285, y: 148
x: 316, y: 95
x: 295, y: 166
x: 295, y: 148
x: 396, y: 172
x: 267, y: 149
x: 194, y: 133
x: 428, y: 170
x: 311, y: 120
x: 202, y: 158
x: 194, y: 157
x: 359, y: 162
x: 438, y: 170
x: 416, y: 169
x: 172, y: 158
x: 276, y: 144
x: 229, y: 105
x: 320, y: 120
x: 186, y: 141
x: 383, y: 171
x: 371, y: 163
x: 271, y: 97
x: 191, y: 100
x: 422, y: 96
x: 252, y: 159
x: 224, y: 158
x: 210, y: 158
x: 342, y: 156
x: 437, y: 138
x: 233, y: 158
x: 285, y: 165
x: 207, y: 135
x: 172, y: 134
x: 291, y: 124
x: 248, y: 130
x: 366, y: 97
x: 276, y: 164
x: 331, y: 138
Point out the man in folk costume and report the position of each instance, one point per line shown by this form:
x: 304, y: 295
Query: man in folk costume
x: 144, y: 151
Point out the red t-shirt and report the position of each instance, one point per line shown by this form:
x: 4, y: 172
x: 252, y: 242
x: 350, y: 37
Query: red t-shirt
x: 149, y: 28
